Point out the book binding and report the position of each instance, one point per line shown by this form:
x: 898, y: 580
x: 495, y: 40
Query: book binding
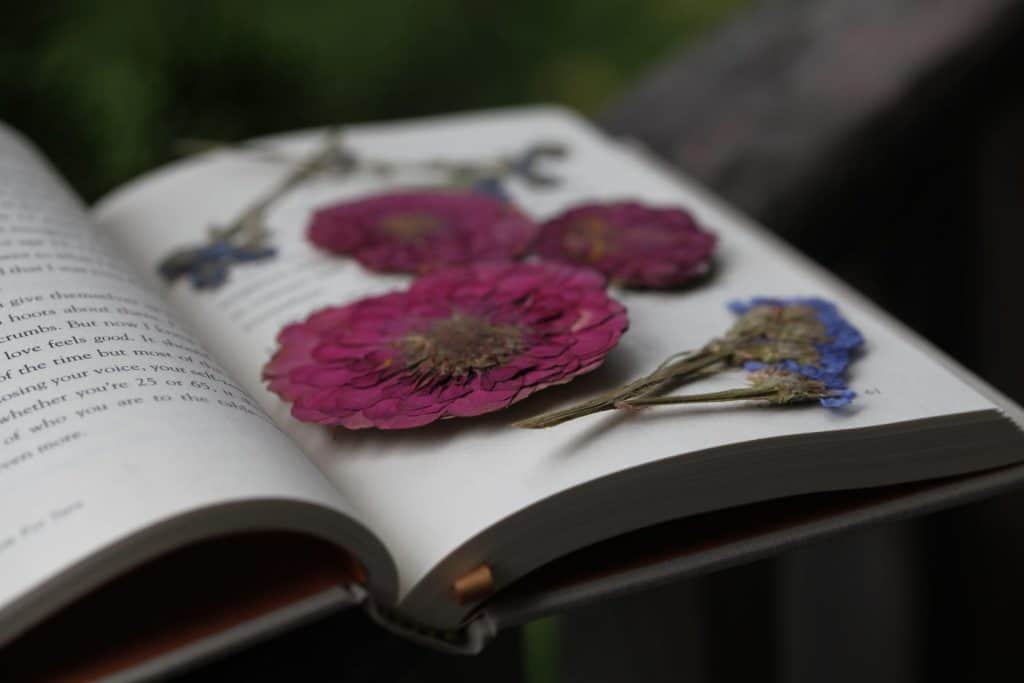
x: 468, y: 639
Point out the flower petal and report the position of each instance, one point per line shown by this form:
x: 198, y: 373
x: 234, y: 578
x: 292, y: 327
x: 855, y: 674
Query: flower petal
x: 345, y: 365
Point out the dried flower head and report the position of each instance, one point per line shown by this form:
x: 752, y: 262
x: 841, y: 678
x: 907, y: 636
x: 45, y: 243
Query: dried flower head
x: 809, y: 331
x: 421, y: 231
x: 790, y: 382
x: 460, y: 342
x: 207, y: 266
x: 633, y: 244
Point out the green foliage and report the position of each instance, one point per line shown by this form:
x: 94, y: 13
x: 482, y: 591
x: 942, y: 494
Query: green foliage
x: 107, y: 86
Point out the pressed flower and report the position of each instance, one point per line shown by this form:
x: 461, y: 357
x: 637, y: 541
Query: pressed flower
x: 244, y: 239
x: 792, y: 382
x: 482, y: 232
x: 809, y: 331
x: 460, y: 342
x: 207, y: 267
x: 491, y: 186
x: 633, y: 244
x: 781, y: 384
x: 796, y: 350
x: 421, y: 231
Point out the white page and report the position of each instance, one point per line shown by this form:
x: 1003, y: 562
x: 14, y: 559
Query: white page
x: 112, y: 418
x: 427, y: 491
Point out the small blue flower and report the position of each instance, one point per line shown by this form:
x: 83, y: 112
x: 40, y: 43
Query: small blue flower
x: 207, y: 267
x: 838, y: 399
x: 833, y: 359
x: 492, y: 187
x: 843, y: 338
x: 839, y: 394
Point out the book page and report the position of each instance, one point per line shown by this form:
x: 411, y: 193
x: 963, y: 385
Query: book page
x: 427, y: 491
x: 113, y: 418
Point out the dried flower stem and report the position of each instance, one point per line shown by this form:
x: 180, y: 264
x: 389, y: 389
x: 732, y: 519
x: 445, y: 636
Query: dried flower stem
x: 251, y: 219
x: 667, y: 376
x: 726, y: 395
x: 336, y: 158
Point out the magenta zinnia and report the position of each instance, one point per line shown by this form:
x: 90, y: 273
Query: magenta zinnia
x: 420, y: 231
x: 461, y: 342
x: 633, y: 244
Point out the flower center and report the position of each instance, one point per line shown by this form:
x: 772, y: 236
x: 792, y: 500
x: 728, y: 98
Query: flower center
x: 591, y: 238
x: 409, y: 227
x: 456, y: 346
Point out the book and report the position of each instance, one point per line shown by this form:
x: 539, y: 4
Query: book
x: 147, y: 470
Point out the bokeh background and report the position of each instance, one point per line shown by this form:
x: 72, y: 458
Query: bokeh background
x: 106, y: 87
x: 885, y: 138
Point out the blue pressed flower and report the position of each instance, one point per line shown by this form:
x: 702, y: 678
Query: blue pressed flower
x: 492, y: 187
x: 829, y: 388
x: 838, y: 399
x: 778, y: 383
x: 838, y: 340
x: 833, y: 340
x: 246, y: 254
x: 796, y: 351
x: 207, y: 267
x: 841, y: 333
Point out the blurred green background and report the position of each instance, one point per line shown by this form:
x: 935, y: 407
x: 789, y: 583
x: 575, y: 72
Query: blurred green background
x: 105, y: 87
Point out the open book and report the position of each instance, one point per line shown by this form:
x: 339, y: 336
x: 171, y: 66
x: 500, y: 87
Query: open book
x: 137, y: 431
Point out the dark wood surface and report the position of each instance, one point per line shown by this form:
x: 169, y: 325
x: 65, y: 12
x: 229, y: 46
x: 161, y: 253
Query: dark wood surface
x: 780, y: 102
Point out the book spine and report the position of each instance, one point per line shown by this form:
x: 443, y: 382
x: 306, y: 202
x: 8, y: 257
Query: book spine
x: 468, y: 639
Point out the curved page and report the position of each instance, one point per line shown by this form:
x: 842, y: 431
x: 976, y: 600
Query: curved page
x: 120, y: 437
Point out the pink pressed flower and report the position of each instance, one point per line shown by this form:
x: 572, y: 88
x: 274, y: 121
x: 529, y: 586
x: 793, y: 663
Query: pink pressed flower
x: 420, y: 231
x: 461, y: 342
x: 633, y: 244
